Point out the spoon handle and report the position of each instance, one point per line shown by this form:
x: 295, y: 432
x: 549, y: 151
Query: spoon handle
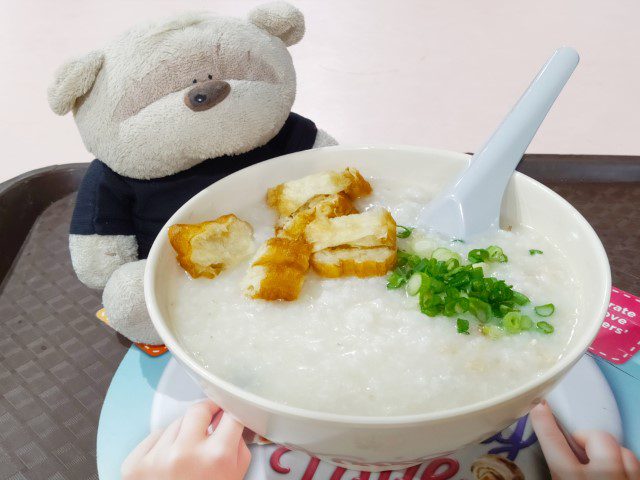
x: 471, y: 204
x: 494, y: 164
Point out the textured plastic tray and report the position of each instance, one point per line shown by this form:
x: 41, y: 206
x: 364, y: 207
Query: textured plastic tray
x: 57, y: 359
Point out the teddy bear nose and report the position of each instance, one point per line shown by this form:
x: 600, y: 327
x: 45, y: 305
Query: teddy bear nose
x: 206, y: 94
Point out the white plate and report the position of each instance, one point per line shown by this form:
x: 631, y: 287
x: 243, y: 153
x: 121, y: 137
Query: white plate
x: 583, y: 400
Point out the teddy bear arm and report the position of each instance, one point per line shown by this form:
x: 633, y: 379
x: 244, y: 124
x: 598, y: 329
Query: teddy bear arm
x: 323, y: 139
x: 95, y: 257
x: 123, y: 300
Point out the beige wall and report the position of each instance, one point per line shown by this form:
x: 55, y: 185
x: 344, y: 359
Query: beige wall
x: 426, y: 72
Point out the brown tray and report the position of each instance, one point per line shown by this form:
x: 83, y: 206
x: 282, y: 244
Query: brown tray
x: 57, y: 360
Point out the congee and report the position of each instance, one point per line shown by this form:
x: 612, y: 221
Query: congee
x: 356, y: 322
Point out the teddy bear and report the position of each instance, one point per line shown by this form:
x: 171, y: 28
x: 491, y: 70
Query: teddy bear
x: 167, y: 109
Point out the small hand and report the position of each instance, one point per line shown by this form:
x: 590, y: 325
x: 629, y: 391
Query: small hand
x: 185, y: 450
x: 608, y: 460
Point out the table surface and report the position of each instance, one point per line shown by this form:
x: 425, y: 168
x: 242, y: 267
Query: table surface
x: 422, y: 72
x: 57, y: 359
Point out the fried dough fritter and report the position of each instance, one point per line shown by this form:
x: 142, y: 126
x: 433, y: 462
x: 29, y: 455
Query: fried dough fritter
x: 318, y: 225
x: 205, y: 249
x: 329, y: 206
x: 278, y: 270
x: 288, y: 197
x: 362, y: 244
x: 373, y: 228
x: 358, y: 186
x: 353, y: 261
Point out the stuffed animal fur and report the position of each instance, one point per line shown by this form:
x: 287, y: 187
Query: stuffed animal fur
x: 167, y: 109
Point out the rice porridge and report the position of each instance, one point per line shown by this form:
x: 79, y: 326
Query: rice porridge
x: 352, y: 346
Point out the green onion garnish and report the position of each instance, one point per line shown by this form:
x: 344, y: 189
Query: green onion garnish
x: 414, y: 283
x: 458, y: 240
x: 545, y: 327
x: 520, y: 298
x: 463, y: 326
x: 403, y: 232
x: 496, y: 254
x: 545, y: 310
x: 431, y: 305
x: 479, y: 309
x: 533, y: 251
x: 462, y: 305
x: 511, y: 322
x: 482, y: 266
x: 478, y: 255
x: 447, y: 285
x: 395, y: 280
x: 525, y: 322
x: 443, y: 254
x: 491, y: 331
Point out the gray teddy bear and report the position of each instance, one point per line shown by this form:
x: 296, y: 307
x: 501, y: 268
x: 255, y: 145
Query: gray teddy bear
x: 167, y: 109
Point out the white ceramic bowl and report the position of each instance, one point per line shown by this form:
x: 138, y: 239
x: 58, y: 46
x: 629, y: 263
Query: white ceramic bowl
x: 381, y: 443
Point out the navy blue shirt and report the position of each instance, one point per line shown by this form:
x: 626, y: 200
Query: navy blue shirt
x: 111, y: 204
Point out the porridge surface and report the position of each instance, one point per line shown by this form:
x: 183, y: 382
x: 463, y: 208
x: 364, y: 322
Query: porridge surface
x: 351, y: 346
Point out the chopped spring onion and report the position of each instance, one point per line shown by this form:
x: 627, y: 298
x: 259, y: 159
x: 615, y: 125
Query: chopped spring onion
x: 414, y: 283
x: 403, y: 232
x: 492, y: 331
x: 525, y: 322
x: 545, y: 327
x: 395, y: 280
x: 515, y: 322
x: 496, y: 254
x: 533, y: 251
x: 484, y: 266
x: 443, y: 254
x: 463, y: 326
x: 520, y: 298
x: 447, y: 285
x: 462, y: 305
x: 424, y: 248
x: 478, y: 255
x: 511, y: 322
x: 545, y: 310
x: 479, y: 309
x: 458, y: 240
x: 431, y: 305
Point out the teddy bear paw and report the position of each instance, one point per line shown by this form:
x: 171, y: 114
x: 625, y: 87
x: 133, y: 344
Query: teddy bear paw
x: 123, y: 300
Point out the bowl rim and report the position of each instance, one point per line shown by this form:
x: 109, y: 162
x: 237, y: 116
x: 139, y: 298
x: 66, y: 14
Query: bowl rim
x: 274, y: 407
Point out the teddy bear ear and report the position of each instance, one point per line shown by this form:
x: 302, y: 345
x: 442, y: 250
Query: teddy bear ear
x: 72, y: 80
x: 280, y: 19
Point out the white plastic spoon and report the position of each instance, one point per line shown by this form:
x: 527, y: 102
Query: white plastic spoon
x: 471, y: 204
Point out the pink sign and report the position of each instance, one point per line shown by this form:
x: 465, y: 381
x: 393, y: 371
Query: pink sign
x: 619, y: 336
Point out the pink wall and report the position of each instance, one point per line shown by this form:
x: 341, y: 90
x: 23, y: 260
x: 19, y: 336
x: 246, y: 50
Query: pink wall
x: 437, y: 73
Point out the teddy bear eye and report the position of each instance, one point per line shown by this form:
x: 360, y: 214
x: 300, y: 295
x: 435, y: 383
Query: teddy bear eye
x: 195, y: 81
x: 210, y: 76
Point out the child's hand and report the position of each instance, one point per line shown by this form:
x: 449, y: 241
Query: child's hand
x: 607, y: 459
x: 185, y: 450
